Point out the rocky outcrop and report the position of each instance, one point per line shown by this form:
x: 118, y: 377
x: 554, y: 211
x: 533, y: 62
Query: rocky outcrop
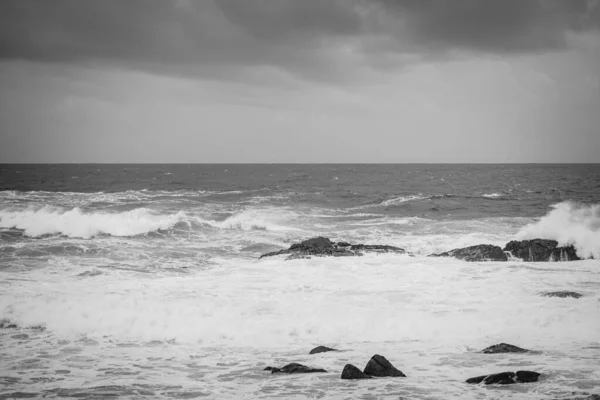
x: 562, y: 294
x: 321, y: 246
x: 480, y: 252
x: 506, y: 378
x: 540, y: 250
x: 321, y: 349
x: 351, y: 372
x: 380, y: 366
x: 527, y: 250
x: 294, y: 368
x: 503, y: 348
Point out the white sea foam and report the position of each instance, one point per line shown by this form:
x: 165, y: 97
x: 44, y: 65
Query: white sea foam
x: 403, y: 199
x: 569, y: 223
x: 492, y: 195
x: 429, y: 317
x: 77, y: 223
x: 267, y: 304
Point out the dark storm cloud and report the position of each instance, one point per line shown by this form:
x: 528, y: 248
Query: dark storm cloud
x: 299, y: 36
x: 492, y: 26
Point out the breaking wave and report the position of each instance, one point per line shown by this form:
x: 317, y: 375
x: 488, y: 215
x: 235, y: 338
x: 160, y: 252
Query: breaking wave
x: 256, y: 219
x: 77, y: 223
x: 570, y: 224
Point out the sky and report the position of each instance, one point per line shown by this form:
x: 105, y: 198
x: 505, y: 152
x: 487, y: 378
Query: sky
x: 289, y: 81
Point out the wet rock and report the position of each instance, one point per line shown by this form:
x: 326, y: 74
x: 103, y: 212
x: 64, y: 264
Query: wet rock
x: 376, y: 248
x: 380, y: 366
x: 321, y: 246
x: 527, y: 376
x: 351, y: 372
x: 562, y: 294
x: 506, y: 378
x: 321, y: 349
x: 293, y: 368
x: 503, y: 348
x: 541, y: 250
x: 7, y: 325
x: 480, y: 252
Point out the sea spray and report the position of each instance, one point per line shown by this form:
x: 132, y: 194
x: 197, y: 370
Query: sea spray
x: 569, y: 223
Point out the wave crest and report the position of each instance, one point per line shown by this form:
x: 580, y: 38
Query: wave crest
x: 569, y: 224
x: 77, y: 223
x: 256, y: 219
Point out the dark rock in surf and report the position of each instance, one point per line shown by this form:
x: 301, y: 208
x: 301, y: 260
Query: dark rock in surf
x: 376, y: 248
x: 503, y: 348
x: 294, y: 368
x: 7, y: 325
x: 562, y: 294
x: 541, y: 250
x: 321, y: 247
x: 380, y: 366
x: 506, y: 378
x: 480, y: 252
x: 321, y: 349
x: 351, y: 372
x: 527, y: 376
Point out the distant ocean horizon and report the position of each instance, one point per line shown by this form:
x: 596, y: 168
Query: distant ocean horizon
x: 138, y: 279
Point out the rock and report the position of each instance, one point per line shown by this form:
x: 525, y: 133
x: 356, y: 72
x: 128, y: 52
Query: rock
x: 541, y: 250
x: 506, y: 378
x: 480, y: 252
x: 7, y: 325
x: 377, y: 248
x: 380, y: 366
x: 321, y: 349
x: 503, y: 348
x: 351, y: 372
x: 562, y: 294
x: 321, y: 246
x: 527, y: 376
x: 317, y: 244
x: 293, y: 368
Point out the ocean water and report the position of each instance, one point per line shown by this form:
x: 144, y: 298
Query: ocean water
x: 144, y: 280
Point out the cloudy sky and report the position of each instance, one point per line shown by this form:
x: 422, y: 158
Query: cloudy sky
x: 300, y: 81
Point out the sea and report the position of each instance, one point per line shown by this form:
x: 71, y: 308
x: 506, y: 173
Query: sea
x: 144, y: 281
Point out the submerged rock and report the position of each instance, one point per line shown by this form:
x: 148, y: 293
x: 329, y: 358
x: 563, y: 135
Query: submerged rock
x: 380, y: 366
x: 541, y: 250
x: 480, y: 252
x: 293, y: 368
x: 351, y: 372
x: 321, y: 246
x: 321, y: 349
x: 506, y: 378
x: 562, y: 294
x: 503, y: 348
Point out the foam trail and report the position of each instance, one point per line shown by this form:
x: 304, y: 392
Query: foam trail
x: 492, y: 195
x: 569, y: 223
x: 77, y: 223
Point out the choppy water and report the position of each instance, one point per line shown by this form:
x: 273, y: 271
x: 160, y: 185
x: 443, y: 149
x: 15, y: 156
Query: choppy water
x: 143, y: 280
